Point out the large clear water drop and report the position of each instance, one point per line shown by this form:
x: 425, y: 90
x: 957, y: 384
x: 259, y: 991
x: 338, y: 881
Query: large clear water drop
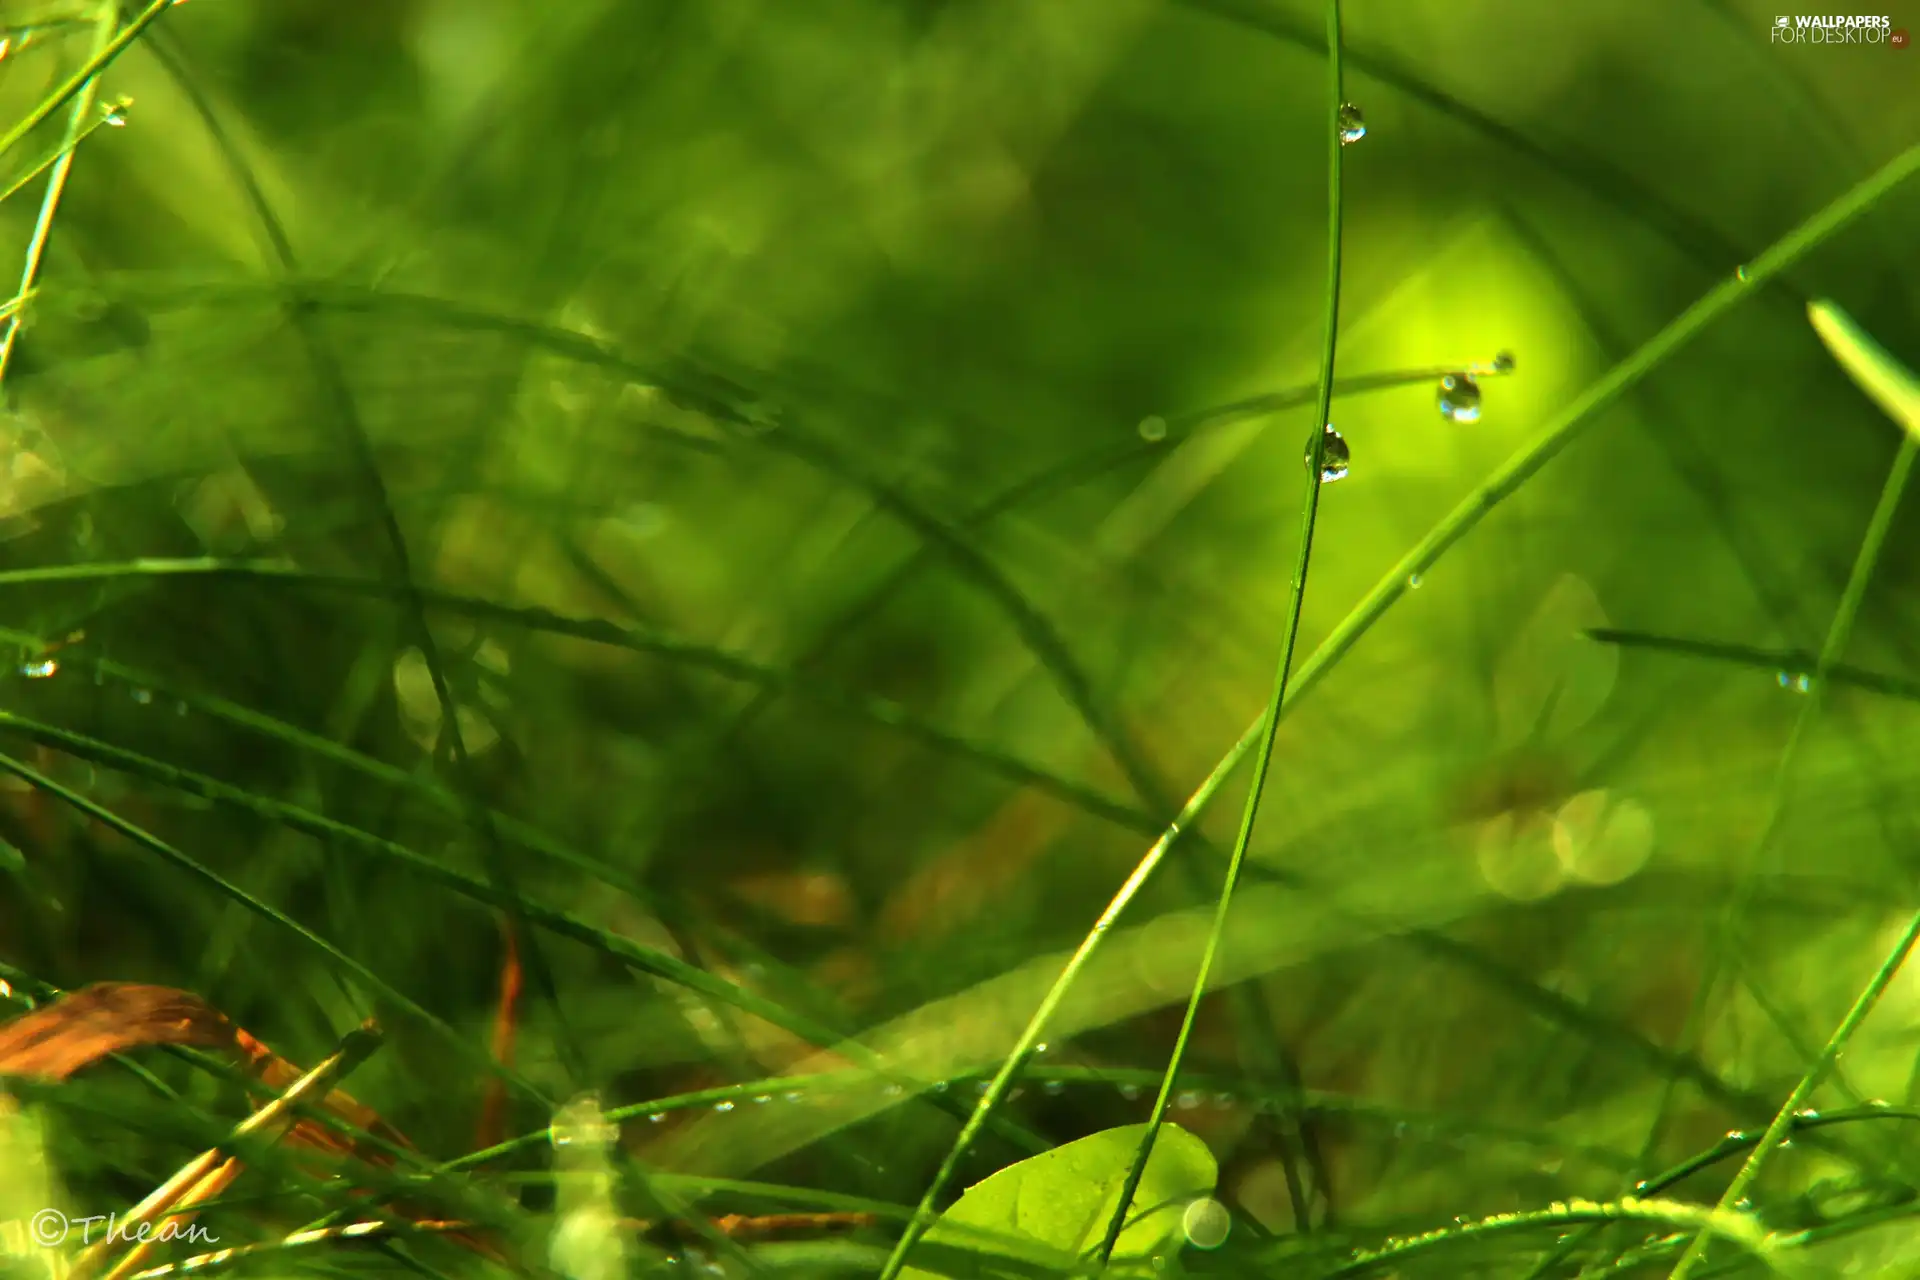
x: 1353, y: 125
x: 1459, y: 398
x: 1335, y: 457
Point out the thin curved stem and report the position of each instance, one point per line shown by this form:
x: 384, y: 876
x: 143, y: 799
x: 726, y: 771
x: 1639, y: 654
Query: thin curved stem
x: 1270, y: 723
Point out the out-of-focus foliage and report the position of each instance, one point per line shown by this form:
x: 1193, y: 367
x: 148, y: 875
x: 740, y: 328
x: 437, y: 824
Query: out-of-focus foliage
x: 690, y: 354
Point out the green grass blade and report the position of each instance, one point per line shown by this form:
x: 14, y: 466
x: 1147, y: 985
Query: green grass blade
x: 1830, y: 653
x: 1270, y: 721
x: 101, y: 59
x: 338, y: 958
x: 1885, y: 380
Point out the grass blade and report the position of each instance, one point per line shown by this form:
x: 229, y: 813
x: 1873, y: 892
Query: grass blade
x: 1885, y: 380
x: 1270, y: 722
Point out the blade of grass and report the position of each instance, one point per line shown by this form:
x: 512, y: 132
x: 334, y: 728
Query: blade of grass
x: 99, y: 61
x: 1830, y: 654
x: 340, y: 959
x: 332, y: 385
x: 1779, y: 660
x: 104, y: 23
x: 635, y: 639
x: 1886, y: 381
x: 1270, y: 721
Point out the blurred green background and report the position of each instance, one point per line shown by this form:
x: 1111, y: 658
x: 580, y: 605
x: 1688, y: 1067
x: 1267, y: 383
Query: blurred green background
x: 721, y: 321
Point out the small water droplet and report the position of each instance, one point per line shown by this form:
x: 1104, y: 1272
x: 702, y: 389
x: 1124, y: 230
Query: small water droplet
x: 1039, y: 1048
x: 143, y: 696
x: 893, y: 1091
x: 1206, y: 1223
x: 114, y: 114
x: 1187, y: 1100
x: 1878, y: 1103
x: 1459, y: 398
x: 723, y: 1105
x: 1806, y: 1115
x: 939, y: 1086
x: 655, y: 1117
x: 1798, y: 681
x: 980, y: 1087
x: 762, y: 1099
x: 791, y: 1095
x: 1055, y: 1088
x: 1743, y: 1205
x: 1335, y: 457
x: 1130, y: 1092
x: 40, y: 670
x: 1414, y: 581
x: 1352, y: 125
x: 1503, y: 362
x: 1153, y: 428
x: 1785, y: 1143
x: 1740, y: 272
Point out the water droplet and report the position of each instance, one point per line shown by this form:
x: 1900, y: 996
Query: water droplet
x: 980, y: 1087
x: 893, y: 1091
x: 143, y: 696
x: 1740, y: 272
x: 1055, y: 1088
x: 1187, y: 1100
x: 1153, y: 428
x: 1798, y: 681
x: 939, y: 1086
x: 1503, y: 362
x: 791, y: 1095
x: 1335, y: 457
x: 40, y: 670
x: 761, y: 1100
x: 1736, y: 1135
x: 1039, y: 1048
x: 1414, y: 580
x: 1130, y: 1092
x: 723, y: 1105
x: 114, y: 114
x: 655, y: 1117
x: 1459, y: 398
x: 1206, y: 1223
x: 1352, y: 125
x: 1806, y: 1115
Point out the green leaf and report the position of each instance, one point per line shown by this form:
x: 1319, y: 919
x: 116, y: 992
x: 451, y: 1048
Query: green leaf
x: 1886, y: 381
x: 1053, y: 1207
